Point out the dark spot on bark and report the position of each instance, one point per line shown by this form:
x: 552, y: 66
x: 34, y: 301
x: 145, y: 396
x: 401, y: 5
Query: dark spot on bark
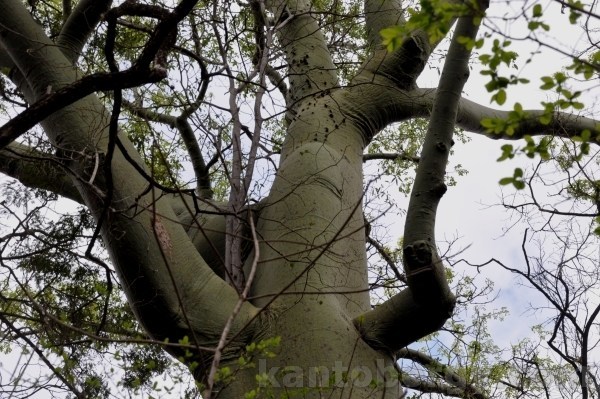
x: 418, y: 254
x: 441, y: 147
x: 439, y: 189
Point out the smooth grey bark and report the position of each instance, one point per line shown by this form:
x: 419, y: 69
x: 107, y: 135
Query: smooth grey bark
x: 37, y: 170
x: 79, y: 25
x: 381, y: 14
x: 311, y: 68
x: 399, y: 321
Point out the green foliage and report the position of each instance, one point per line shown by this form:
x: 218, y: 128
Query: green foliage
x: 434, y: 17
x: 498, y: 83
x: 536, y: 22
x: 61, y: 304
x: 575, y: 7
x: 507, y: 125
x: 586, y: 68
x: 516, y: 180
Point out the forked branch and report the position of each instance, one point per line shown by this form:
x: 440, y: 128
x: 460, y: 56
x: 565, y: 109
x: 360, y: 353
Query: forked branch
x: 399, y: 321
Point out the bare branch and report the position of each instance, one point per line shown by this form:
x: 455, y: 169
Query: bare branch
x: 445, y: 372
x: 391, y: 156
x: 70, y: 94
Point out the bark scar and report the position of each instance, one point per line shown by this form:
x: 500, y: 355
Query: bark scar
x: 163, y: 237
x: 418, y: 257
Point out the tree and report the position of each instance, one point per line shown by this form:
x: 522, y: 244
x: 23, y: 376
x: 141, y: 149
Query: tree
x: 256, y: 278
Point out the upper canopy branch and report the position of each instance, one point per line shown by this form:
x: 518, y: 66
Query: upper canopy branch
x: 380, y: 14
x: 79, y: 26
x: 375, y: 106
x: 310, y: 65
x: 530, y: 122
x: 445, y: 372
x: 399, y: 320
x: 402, y: 66
x: 139, y: 73
x: 67, y: 95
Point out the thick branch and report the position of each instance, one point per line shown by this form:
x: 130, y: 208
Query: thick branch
x: 470, y: 115
x: 204, y: 222
x: 311, y: 68
x: 68, y: 95
x: 562, y: 124
x: 79, y: 26
x: 399, y: 321
x: 37, y: 170
x: 399, y: 68
x: 380, y: 14
x: 374, y: 107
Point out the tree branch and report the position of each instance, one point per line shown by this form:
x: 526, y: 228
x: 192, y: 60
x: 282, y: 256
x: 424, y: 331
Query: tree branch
x: 562, y: 124
x: 397, y: 323
x: 373, y: 107
x: 401, y: 67
x: 391, y: 156
x: 311, y: 68
x: 79, y: 26
x: 380, y: 14
x: 423, y: 386
x: 388, y: 259
x: 37, y: 170
x: 201, y: 171
x: 445, y: 372
x: 70, y: 94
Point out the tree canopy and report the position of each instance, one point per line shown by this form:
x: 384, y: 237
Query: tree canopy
x: 200, y: 197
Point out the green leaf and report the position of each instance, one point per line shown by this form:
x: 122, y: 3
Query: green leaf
x: 491, y: 85
x: 537, y: 10
x: 506, y: 180
x: 501, y: 97
x: 585, y: 135
x: 548, y: 83
x: 546, y: 119
x: 518, y: 172
x: 560, y: 77
x: 488, y: 123
x: 507, y: 152
x: 518, y: 108
x: 519, y: 185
